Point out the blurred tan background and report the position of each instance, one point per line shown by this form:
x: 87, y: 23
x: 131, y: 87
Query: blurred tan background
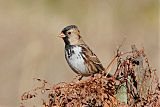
x: 30, y: 48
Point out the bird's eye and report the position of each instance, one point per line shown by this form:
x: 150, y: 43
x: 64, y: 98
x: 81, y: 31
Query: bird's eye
x: 69, y: 33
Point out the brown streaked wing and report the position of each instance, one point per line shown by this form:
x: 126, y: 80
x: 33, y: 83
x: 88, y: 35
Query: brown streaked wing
x: 93, y: 63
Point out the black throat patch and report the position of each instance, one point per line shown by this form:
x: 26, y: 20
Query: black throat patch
x: 66, y: 41
x: 69, y: 49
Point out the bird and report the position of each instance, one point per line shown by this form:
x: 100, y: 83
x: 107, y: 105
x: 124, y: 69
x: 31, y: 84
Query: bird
x: 78, y: 55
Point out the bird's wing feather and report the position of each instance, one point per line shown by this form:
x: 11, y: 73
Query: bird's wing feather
x: 93, y: 62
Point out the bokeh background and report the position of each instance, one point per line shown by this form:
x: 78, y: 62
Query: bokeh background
x: 30, y: 48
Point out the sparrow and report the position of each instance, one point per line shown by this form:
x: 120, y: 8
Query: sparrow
x: 78, y: 55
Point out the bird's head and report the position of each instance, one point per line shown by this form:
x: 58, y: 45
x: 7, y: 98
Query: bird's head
x: 71, y: 35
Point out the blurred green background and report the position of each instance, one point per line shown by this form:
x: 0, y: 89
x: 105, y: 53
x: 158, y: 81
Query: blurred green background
x: 30, y: 48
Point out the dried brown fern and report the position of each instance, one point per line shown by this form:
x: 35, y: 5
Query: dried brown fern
x: 133, y: 76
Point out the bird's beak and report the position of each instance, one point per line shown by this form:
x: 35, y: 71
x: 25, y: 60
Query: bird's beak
x: 61, y: 35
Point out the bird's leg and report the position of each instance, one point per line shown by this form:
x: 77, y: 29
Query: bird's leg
x: 92, y: 75
x: 80, y: 77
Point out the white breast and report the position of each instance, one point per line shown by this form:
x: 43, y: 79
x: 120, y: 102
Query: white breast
x: 76, y: 61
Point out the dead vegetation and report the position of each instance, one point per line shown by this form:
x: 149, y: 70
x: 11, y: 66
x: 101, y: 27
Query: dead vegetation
x: 133, y: 84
